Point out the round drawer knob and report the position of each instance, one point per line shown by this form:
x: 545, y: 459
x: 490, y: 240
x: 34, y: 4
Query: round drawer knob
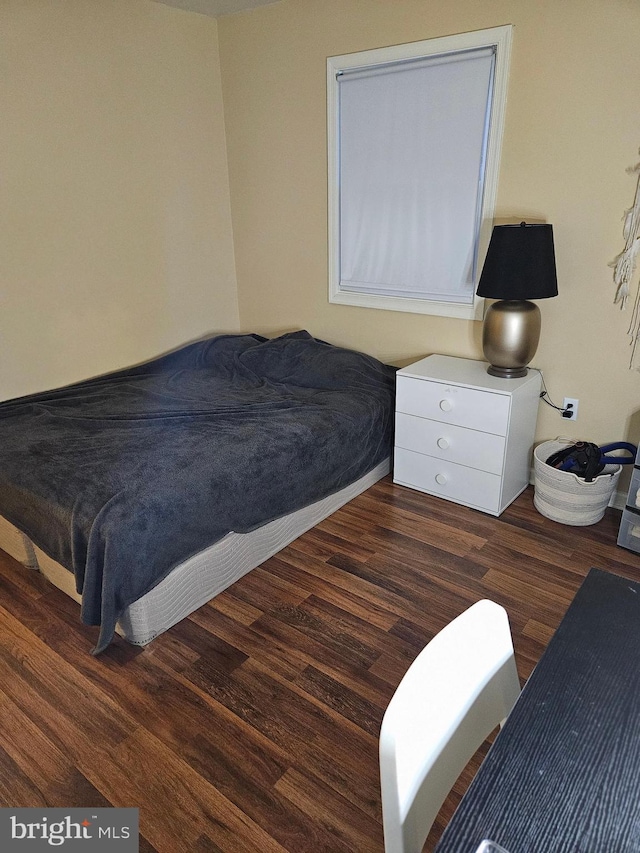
x: 443, y: 443
x: 446, y: 405
x: 441, y: 479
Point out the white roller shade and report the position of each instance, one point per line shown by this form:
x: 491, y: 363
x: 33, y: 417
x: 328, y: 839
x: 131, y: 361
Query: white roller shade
x: 412, y: 140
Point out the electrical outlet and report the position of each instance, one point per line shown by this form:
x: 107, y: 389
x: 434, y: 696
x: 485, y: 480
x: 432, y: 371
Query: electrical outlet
x: 570, y: 407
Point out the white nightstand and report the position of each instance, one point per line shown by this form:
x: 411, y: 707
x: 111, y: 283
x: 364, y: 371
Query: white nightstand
x: 462, y: 434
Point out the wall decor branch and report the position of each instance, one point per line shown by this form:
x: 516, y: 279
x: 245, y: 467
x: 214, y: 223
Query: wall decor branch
x: 624, y: 267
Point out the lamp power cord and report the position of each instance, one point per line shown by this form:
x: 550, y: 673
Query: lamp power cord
x: 544, y: 395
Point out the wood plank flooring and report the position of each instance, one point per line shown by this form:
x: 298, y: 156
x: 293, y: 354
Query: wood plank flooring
x: 252, y: 726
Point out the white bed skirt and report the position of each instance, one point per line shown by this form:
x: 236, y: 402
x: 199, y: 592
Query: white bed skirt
x: 194, y: 582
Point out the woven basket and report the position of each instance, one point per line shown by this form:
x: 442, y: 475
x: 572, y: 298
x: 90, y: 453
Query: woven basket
x: 565, y: 497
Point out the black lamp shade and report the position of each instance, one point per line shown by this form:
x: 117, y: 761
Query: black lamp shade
x: 520, y: 263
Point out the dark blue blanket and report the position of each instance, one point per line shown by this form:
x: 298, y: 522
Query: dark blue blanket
x: 122, y: 477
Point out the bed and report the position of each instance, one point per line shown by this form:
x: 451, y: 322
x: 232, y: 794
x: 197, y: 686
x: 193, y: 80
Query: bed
x: 145, y: 492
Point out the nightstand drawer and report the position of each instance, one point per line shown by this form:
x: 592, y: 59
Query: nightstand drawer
x: 466, y: 407
x: 458, y: 483
x: 481, y: 450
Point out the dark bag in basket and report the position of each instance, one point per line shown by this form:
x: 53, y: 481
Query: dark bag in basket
x: 585, y: 459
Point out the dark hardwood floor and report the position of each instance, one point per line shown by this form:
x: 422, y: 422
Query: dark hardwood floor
x: 252, y: 726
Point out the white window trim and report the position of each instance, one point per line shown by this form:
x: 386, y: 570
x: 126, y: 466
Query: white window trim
x: 498, y: 37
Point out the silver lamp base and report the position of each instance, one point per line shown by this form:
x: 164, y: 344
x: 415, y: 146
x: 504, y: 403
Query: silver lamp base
x: 510, y: 336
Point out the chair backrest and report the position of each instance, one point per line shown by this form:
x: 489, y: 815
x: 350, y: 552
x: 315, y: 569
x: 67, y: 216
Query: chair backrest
x: 460, y: 687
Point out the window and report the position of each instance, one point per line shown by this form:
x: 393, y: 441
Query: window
x: 414, y: 138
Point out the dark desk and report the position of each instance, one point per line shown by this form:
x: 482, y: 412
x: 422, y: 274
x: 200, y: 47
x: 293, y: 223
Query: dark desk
x: 563, y: 776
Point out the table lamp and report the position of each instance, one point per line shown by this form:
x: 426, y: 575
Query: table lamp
x: 520, y: 266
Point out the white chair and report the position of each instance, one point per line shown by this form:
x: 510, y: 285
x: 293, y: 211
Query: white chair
x: 460, y: 687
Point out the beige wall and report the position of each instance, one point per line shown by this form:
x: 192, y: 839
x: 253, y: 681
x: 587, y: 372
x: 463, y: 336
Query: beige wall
x: 572, y: 129
x: 116, y: 240
x: 115, y: 237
